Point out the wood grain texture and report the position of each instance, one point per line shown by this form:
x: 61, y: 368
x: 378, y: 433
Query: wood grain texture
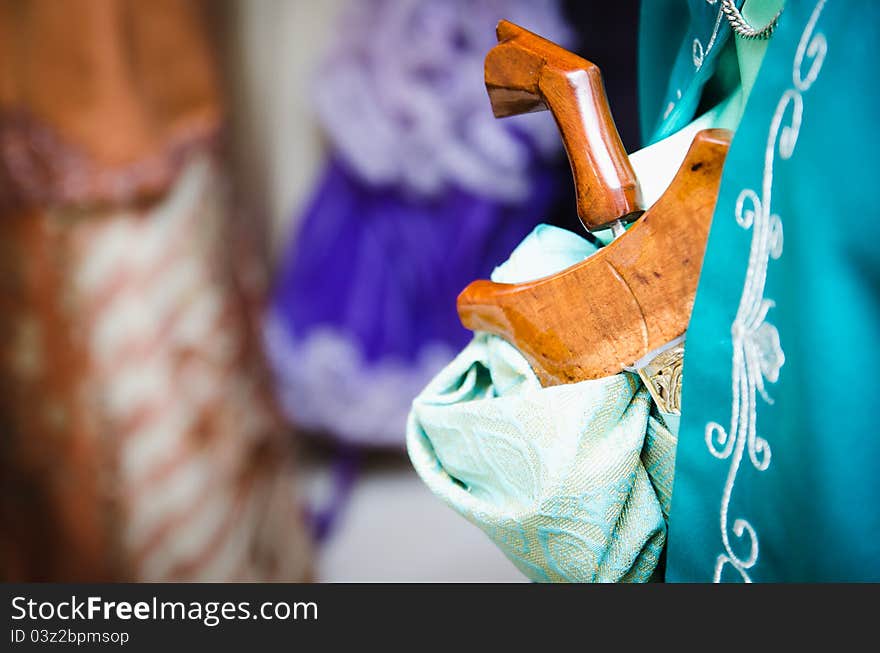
x: 598, y: 316
x: 526, y: 73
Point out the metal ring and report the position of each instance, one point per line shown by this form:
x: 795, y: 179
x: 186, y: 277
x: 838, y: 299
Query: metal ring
x: 742, y: 27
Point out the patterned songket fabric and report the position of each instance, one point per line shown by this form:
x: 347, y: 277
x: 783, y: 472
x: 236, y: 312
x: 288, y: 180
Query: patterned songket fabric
x: 572, y: 482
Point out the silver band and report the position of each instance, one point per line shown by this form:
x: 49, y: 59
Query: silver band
x: 742, y: 27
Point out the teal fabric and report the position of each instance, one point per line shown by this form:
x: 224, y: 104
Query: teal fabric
x: 572, y: 482
x: 706, y: 35
x: 776, y: 473
x: 775, y: 470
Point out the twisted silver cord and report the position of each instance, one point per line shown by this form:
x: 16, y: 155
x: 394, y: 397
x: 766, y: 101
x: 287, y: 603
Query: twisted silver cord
x: 742, y: 27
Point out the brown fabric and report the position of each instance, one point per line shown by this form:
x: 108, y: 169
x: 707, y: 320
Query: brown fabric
x: 138, y: 440
x: 54, y: 506
x: 138, y: 437
x: 100, y: 100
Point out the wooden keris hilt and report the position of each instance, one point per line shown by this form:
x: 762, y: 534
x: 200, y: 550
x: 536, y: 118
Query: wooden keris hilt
x: 526, y: 73
x: 631, y: 297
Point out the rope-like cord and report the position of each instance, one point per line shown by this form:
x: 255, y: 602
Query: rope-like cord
x: 742, y: 27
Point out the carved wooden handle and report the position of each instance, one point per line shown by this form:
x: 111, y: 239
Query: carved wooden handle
x: 525, y: 73
x: 629, y: 298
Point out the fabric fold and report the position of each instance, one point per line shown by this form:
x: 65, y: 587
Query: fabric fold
x: 571, y: 482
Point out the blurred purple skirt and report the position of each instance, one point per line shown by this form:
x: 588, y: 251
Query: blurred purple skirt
x: 363, y: 312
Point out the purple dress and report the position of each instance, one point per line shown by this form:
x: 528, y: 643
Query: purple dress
x: 423, y: 192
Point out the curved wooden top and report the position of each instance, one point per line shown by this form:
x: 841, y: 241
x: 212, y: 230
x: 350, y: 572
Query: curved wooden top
x: 629, y: 298
x: 526, y: 73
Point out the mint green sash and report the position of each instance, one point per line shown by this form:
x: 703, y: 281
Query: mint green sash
x: 572, y: 482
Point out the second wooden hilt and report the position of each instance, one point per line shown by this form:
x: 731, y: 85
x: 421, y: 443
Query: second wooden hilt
x: 526, y: 73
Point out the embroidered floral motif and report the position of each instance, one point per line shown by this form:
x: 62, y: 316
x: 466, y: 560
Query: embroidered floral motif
x: 757, y: 351
x: 699, y: 55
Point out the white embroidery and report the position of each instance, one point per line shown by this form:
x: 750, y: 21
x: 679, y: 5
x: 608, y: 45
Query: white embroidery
x: 697, y: 53
x: 697, y: 47
x: 757, y: 353
x: 671, y: 105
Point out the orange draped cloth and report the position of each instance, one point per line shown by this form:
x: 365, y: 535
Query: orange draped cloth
x: 138, y: 439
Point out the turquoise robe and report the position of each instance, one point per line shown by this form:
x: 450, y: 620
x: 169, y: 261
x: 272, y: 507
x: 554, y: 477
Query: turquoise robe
x: 776, y: 471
